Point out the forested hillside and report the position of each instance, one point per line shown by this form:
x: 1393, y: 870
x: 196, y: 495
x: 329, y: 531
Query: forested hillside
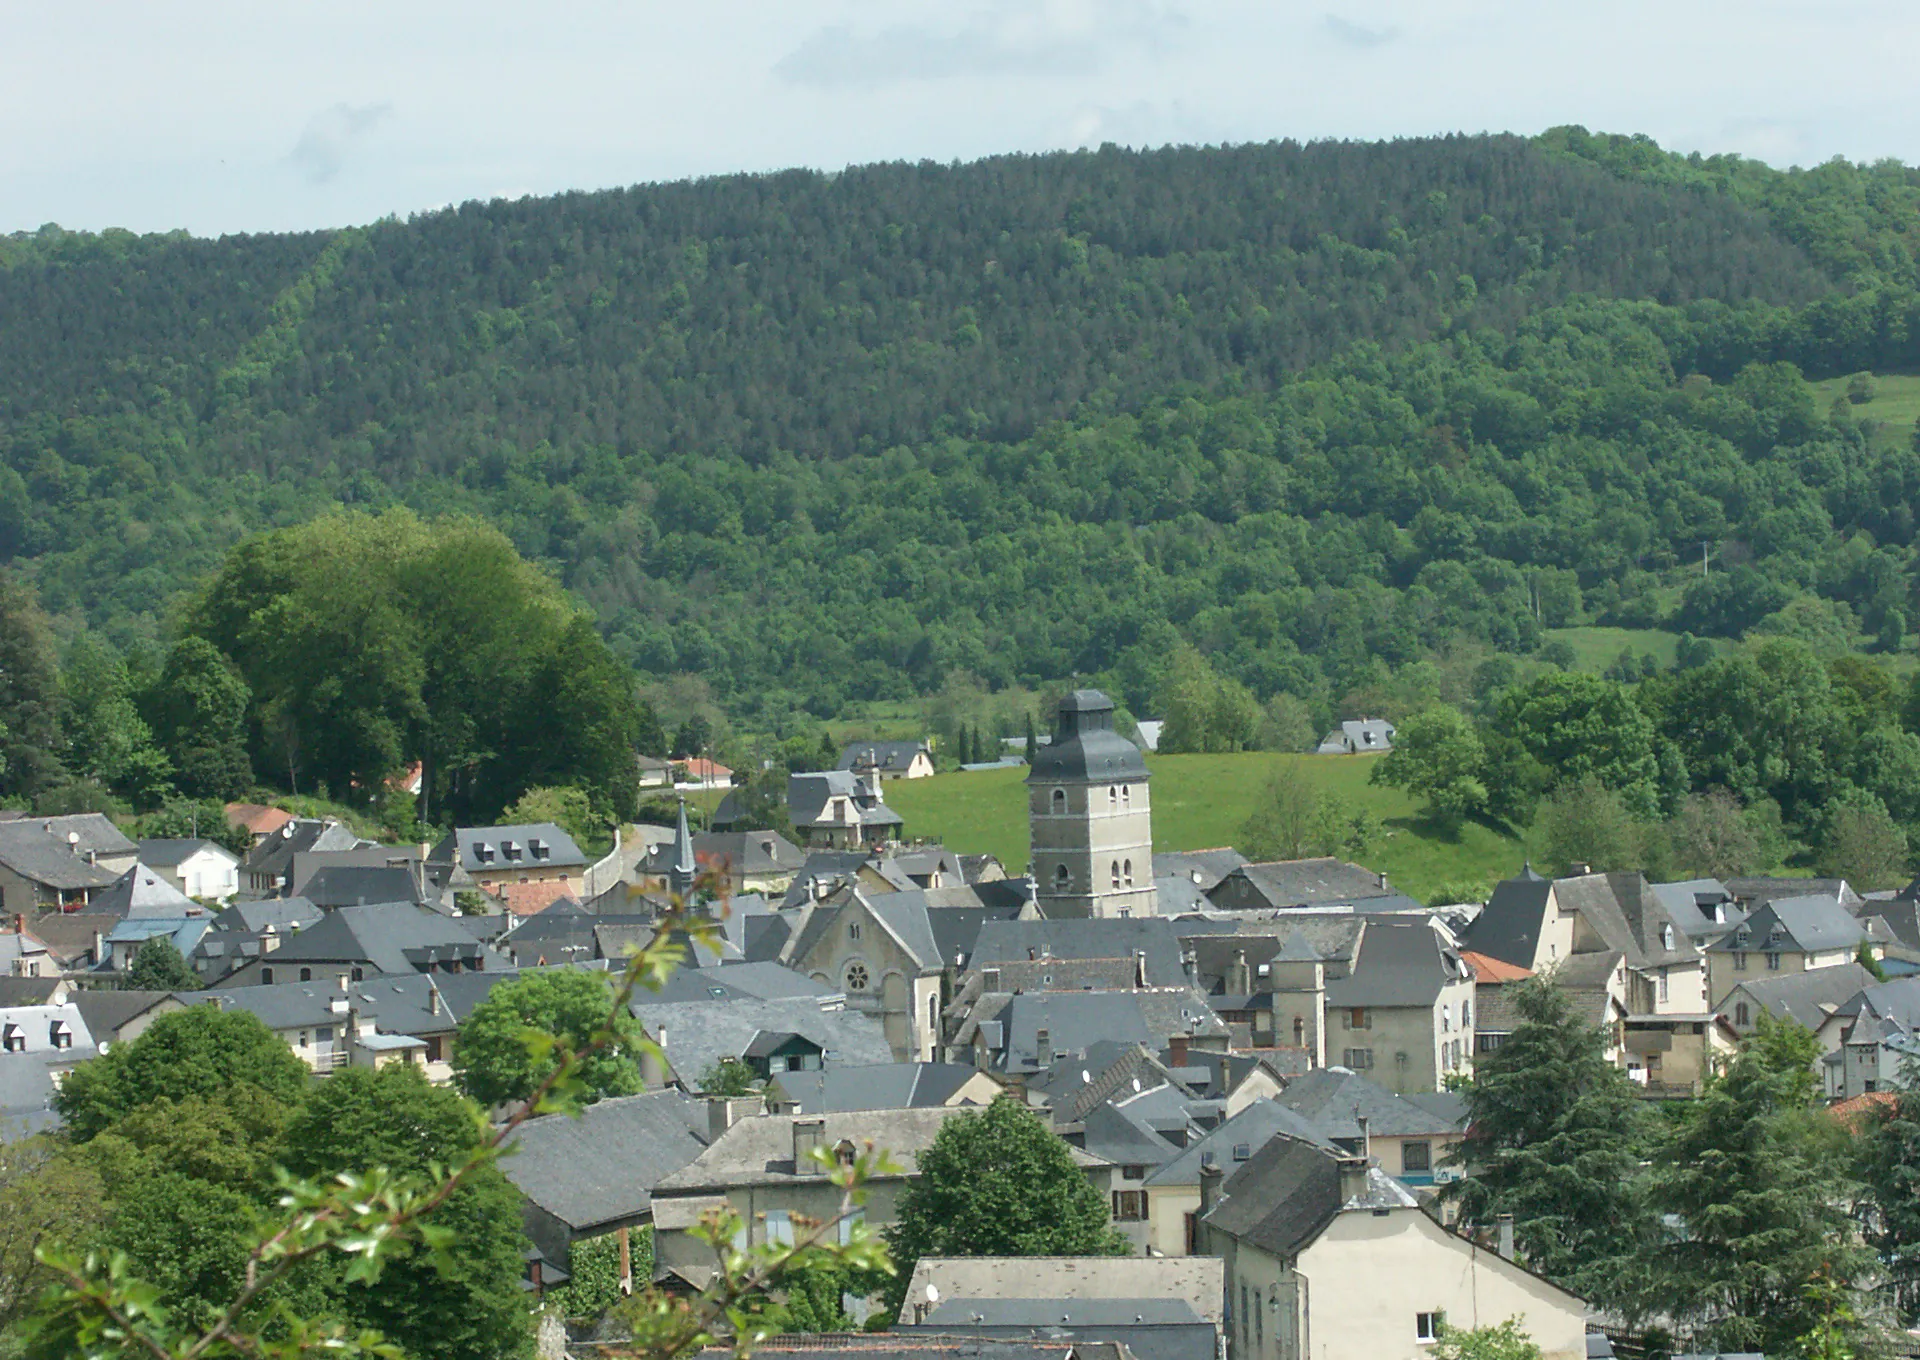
x: 822, y: 438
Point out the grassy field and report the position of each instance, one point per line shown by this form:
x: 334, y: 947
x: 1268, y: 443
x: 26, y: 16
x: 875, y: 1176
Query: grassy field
x: 1594, y: 649
x: 1895, y: 407
x: 1202, y: 801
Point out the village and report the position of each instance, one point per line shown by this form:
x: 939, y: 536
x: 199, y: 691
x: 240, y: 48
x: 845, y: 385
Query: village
x: 1258, y: 1066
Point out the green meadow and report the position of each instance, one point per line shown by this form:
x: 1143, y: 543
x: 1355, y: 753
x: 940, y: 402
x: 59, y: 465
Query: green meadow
x: 1201, y: 801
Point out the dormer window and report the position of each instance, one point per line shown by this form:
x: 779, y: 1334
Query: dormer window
x: 14, y: 1038
x: 60, y: 1034
x: 541, y: 850
x: 1666, y: 938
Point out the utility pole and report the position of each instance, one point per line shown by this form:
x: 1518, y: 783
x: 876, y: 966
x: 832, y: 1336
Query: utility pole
x: 1704, y: 545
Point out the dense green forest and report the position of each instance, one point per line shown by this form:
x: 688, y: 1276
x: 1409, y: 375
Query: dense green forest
x: 1318, y: 409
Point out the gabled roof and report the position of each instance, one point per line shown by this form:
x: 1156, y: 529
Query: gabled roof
x: 274, y: 855
x: 599, y: 1167
x: 884, y: 756
x: 1076, y: 1020
x: 1694, y: 903
x: 759, y: 1150
x: 1300, y: 883
x: 1401, y: 963
x: 37, y: 849
x: 743, y: 852
x: 1754, y: 892
x: 140, y: 892
x: 394, y: 1004
x: 343, y: 885
x: 1333, y: 1099
x: 1281, y: 1199
x: 696, y: 1035
x: 537, y: 898
x: 284, y: 914
x: 1813, y: 923
x: 106, y: 1012
x: 257, y: 818
x: 1510, y: 926
x: 754, y: 981
x: 1197, y: 1281
x: 1202, y: 868
x: 394, y: 937
x: 1488, y: 969
x: 1010, y: 941
x: 1252, y: 1129
x: 1623, y: 910
x: 1808, y: 996
x: 808, y: 795
x: 170, y: 854
x: 878, y: 1086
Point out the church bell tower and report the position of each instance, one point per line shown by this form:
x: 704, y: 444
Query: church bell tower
x: 1089, y: 820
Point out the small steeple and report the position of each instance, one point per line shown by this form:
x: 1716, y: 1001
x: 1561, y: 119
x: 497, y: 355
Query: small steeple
x: 681, y: 875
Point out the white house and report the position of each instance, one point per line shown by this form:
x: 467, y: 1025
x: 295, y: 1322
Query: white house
x: 198, y: 868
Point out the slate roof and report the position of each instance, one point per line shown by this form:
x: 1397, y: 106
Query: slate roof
x: 36, y: 848
x: 1815, y: 923
x: 1332, y: 1099
x: 1694, y: 903
x: 1401, y: 963
x: 70, y: 936
x: 1201, y: 868
x: 599, y: 1167
x: 395, y: 1004
x: 1623, y: 910
x: 1359, y: 735
x: 140, y: 892
x: 26, y: 1092
x: 284, y: 914
x: 391, y: 937
x: 1754, y: 892
x: 1253, y: 1128
x: 880, y: 755
x: 755, y: 981
x: 1112, y: 938
x: 759, y: 1150
x: 880, y: 1086
x: 1510, y: 925
x: 743, y: 852
x: 1085, y: 749
x: 1300, y: 883
x: 274, y: 855
x: 1117, y: 1134
x: 1198, y: 1281
x: 485, y: 849
x: 1148, y: 1329
x: 106, y: 1012
x: 1282, y: 1198
x: 1895, y: 922
x: 1076, y: 1020
x: 808, y: 795
x: 937, y: 927
x: 698, y: 1034
x: 171, y: 854
x: 30, y: 991
x: 342, y: 885
x: 1808, y: 996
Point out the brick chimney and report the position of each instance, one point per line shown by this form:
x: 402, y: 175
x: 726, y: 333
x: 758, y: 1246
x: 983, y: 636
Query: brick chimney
x: 808, y: 1134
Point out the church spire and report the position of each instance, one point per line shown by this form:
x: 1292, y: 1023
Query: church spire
x: 681, y: 874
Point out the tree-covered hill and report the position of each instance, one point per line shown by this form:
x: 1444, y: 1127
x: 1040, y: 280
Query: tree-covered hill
x: 831, y: 437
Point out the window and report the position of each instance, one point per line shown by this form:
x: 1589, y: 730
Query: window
x: 1129, y: 1206
x: 1116, y: 873
x: 853, y: 930
x: 1427, y: 1327
x: 1466, y: 1015
x: 1666, y: 938
x: 990, y: 980
x: 1739, y: 962
x: 1062, y: 878
x: 1869, y: 1085
x: 779, y: 1228
x: 1446, y: 1018
x: 1126, y: 872
x: 1663, y: 984
x: 857, y: 979
x: 1416, y: 1157
x: 1113, y: 796
x: 1244, y: 1311
x: 324, y: 1034
x: 1133, y: 1173
x: 14, y: 1038
x: 305, y: 1038
x: 1357, y: 1018
x: 1358, y: 1059
x: 59, y: 1035
x: 1126, y: 795
x: 266, y: 975
x: 1773, y: 963
x: 1740, y: 1014
x: 1486, y: 1043
x: 1059, y: 802
x: 306, y: 975
x: 359, y: 974
x: 1259, y: 1323
x: 1242, y: 1151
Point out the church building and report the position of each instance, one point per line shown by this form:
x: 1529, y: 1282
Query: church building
x: 1090, y: 823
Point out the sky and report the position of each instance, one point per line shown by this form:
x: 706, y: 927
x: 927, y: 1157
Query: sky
x: 234, y: 115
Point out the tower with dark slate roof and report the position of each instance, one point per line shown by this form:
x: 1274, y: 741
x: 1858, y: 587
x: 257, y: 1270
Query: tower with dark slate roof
x: 1089, y: 819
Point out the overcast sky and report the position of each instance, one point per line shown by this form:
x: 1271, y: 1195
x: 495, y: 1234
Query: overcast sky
x: 239, y: 115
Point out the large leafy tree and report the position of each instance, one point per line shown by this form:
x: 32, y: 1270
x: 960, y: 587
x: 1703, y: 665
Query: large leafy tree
x: 158, y: 967
x: 1757, y: 1177
x: 1887, y: 1162
x: 493, y: 1064
x: 466, y: 1306
x: 1579, y: 725
x: 47, y: 1194
x: 1555, y: 1137
x: 197, y: 706
x: 998, y: 1182
x: 1437, y: 756
x: 201, y: 1050
x: 367, y: 640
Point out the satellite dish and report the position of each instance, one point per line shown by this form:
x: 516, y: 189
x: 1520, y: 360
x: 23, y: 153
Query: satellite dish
x: 933, y: 1293
x: 103, y: 1046
x: 73, y: 838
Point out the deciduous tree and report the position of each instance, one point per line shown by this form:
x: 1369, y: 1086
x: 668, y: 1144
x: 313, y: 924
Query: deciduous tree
x: 491, y: 1062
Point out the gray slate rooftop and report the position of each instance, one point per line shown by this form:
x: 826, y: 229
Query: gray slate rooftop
x: 600, y: 1167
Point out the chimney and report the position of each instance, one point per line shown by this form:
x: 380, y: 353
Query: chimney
x: 719, y: 1117
x: 1140, y: 968
x: 343, y: 979
x: 1043, y: 1047
x: 19, y: 923
x: 1366, y: 1137
x: 433, y: 999
x: 1383, y: 880
x: 808, y: 1134
x: 1505, y: 1222
x: 1239, y: 977
x: 1211, y: 1179
x: 1353, y: 1178
x: 1177, y: 1050
x: 1579, y: 870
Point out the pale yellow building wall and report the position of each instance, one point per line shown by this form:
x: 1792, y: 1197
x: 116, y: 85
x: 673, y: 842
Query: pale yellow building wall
x: 1366, y: 1277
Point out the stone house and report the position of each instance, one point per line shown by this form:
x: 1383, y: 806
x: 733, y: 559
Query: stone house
x: 1786, y: 935
x: 888, y: 759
